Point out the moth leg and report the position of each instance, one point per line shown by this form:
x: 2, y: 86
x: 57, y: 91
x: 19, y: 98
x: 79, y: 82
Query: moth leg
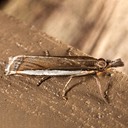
x: 109, y: 84
x: 107, y: 91
x: 64, y: 91
x: 43, y: 79
x: 100, y: 89
x: 46, y: 52
x: 69, y: 51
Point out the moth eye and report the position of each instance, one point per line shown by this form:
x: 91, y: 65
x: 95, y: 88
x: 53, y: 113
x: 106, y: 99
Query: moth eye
x: 101, y: 63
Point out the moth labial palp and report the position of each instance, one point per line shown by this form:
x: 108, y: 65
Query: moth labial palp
x: 49, y: 66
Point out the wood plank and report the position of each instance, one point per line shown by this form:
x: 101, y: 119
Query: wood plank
x: 23, y: 104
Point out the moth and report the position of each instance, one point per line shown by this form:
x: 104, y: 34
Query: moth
x: 72, y: 66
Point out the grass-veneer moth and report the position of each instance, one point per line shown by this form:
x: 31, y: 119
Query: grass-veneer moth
x: 72, y: 66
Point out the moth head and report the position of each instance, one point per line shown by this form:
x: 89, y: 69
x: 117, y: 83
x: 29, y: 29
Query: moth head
x: 101, y: 64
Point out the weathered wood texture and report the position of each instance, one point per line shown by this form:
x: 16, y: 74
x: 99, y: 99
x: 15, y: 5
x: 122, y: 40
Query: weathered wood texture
x: 23, y: 104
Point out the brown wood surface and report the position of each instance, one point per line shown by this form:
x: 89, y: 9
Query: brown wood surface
x: 23, y: 104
